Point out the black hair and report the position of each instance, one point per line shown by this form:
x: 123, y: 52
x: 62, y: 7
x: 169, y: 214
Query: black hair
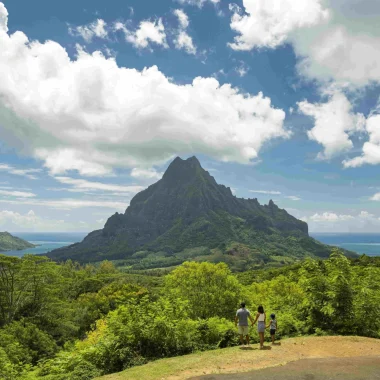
x: 242, y: 304
x: 260, y: 309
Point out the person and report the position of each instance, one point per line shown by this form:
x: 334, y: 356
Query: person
x: 241, y: 320
x: 273, y: 327
x: 260, y: 317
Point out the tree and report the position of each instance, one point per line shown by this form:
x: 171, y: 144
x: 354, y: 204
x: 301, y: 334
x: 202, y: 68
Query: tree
x: 210, y: 289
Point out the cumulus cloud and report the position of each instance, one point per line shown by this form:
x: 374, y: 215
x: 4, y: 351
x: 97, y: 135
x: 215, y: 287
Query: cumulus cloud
x: 92, y: 116
x: 371, y: 148
x: 148, y: 32
x: 183, y: 41
x: 329, y: 221
x: 28, y: 173
x: 334, y: 124
x: 268, y: 23
x: 334, y: 39
x: 88, y: 32
x: 330, y: 217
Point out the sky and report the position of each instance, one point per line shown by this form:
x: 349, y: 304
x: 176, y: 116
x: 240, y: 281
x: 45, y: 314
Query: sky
x: 278, y: 100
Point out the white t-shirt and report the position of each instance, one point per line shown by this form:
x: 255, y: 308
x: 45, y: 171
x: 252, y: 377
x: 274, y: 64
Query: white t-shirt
x: 261, y: 317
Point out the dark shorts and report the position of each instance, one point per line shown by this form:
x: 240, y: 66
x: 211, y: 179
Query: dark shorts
x: 272, y: 332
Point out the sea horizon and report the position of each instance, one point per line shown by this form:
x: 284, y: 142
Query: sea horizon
x: 361, y: 243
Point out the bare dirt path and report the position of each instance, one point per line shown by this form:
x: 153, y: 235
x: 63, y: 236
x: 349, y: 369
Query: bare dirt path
x: 356, y: 368
x: 247, y: 359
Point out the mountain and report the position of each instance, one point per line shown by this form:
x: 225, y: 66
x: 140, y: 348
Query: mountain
x: 187, y: 215
x: 9, y: 242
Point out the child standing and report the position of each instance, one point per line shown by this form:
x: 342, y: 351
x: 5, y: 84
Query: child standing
x: 260, y: 317
x: 273, y: 327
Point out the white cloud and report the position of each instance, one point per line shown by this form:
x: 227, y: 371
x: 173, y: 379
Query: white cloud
x: 364, y: 221
x: 293, y: 197
x: 183, y: 40
x: 14, y: 193
x: 82, y: 184
x: 265, y: 192
x: 375, y: 197
x: 148, y: 32
x: 330, y: 217
x: 30, y: 221
x: 92, y: 116
x: 335, y: 40
x: 182, y: 18
x: 68, y: 203
x: 146, y: 174
x: 334, y: 124
x: 242, y: 69
x: 371, y: 148
x: 28, y: 173
x: 88, y: 32
x: 268, y: 23
x: 198, y: 3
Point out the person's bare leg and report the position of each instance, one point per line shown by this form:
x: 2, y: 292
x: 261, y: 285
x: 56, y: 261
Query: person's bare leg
x: 261, y: 340
x: 272, y: 339
x: 247, y: 339
x: 241, y: 339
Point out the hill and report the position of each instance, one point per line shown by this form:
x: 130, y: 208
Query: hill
x: 188, y: 216
x: 238, y: 360
x: 9, y: 242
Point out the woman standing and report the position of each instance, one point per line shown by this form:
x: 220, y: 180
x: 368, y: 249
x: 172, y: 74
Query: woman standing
x: 261, y: 319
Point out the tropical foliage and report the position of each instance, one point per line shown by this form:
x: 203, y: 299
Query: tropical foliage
x: 66, y: 321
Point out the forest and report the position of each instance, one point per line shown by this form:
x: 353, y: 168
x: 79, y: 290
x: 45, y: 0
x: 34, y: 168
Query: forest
x: 72, y: 321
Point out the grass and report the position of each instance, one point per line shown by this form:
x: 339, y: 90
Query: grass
x: 237, y: 359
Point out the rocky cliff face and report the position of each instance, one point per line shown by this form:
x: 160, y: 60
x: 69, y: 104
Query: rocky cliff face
x: 185, y: 207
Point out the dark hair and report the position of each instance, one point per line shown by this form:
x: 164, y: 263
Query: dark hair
x: 242, y: 304
x: 260, y: 309
x: 273, y: 316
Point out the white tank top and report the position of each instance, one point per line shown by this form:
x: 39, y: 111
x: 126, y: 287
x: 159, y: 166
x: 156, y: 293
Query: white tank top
x: 261, y: 317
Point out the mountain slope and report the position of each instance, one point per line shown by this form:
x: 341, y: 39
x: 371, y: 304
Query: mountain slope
x: 9, y: 242
x: 188, y: 209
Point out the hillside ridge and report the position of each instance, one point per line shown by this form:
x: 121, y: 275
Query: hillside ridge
x: 9, y: 242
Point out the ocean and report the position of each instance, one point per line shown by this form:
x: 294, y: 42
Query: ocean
x: 47, y: 241
x: 360, y: 243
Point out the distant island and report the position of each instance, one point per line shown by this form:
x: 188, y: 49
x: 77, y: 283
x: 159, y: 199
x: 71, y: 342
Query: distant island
x: 9, y: 242
x: 188, y: 216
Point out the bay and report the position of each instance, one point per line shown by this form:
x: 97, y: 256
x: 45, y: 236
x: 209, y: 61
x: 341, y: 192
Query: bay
x: 367, y: 243
x: 46, y: 241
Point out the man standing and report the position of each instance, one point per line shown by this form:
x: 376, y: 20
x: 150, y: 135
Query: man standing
x: 241, y: 320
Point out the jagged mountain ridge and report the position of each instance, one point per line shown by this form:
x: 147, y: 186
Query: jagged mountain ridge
x: 186, y: 208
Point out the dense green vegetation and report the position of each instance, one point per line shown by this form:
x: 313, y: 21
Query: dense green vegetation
x: 67, y: 321
x: 9, y: 242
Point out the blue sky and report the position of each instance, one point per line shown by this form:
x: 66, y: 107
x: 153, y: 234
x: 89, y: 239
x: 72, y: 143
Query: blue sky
x: 278, y: 101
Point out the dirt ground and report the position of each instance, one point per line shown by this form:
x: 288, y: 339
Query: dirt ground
x: 355, y: 368
x: 283, y: 359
